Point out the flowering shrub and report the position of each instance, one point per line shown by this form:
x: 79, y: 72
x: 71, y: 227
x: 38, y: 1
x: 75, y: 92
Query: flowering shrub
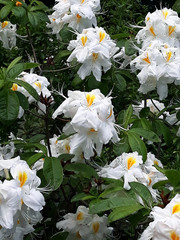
x: 89, y: 113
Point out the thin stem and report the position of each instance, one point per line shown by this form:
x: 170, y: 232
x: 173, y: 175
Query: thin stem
x: 61, y: 69
x: 47, y: 130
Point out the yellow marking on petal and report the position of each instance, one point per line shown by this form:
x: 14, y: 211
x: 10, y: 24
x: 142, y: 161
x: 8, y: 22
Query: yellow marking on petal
x: 56, y: 142
x: 95, y: 56
x: 174, y: 236
x: 176, y: 208
x: 22, y: 202
x: 148, y: 18
x: 101, y: 36
x: 18, y: 222
x: 22, y: 178
x: 90, y: 99
x: 130, y: 162
x: 14, y: 87
x: 82, y: 1
x: 78, y: 235
x: 80, y: 216
x: 18, y: 4
x: 67, y: 147
x: 38, y: 84
x: 171, y: 29
x: 150, y: 181
x: 110, y: 114
x: 4, y: 24
x: 84, y: 40
x: 152, y: 31
x: 165, y: 13
x: 156, y: 162
x: 43, y: 159
x: 96, y: 226
x: 147, y: 59
x: 54, y: 19
x: 92, y: 130
x: 165, y: 46
x: 78, y: 17
x: 168, y: 56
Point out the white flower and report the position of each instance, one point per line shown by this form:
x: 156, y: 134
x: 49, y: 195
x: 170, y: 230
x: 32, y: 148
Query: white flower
x: 8, y: 34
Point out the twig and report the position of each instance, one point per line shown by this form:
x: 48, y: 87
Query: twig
x: 61, y: 69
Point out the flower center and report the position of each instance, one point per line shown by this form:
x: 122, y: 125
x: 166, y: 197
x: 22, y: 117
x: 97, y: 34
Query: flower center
x: 95, y: 56
x: 14, y: 87
x: 130, y: 162
x: 174, y: 236
x: 78, y: 17
x: 90, y: 99
x: 156, y: 162
x: 80, y: 216
x: 4, y: 24
x: 22, y: 178
x: 96, y: 227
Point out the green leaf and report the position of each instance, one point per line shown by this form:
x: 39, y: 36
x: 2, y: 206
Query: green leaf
x: 65, y: 156
x: 28, y: 87
x: 120, y: 82
x: 119, y: 36
x: 18, y: 11
x: 141, y: 190
x: 148, y: 134
x: 111, y: 203
x: 53, y: 172
x: 31, y: 160
x: 107, y: 192
x: 173, y: 177
x: 176, y: 6
x: 161, y: 129
x: 137, y: 144
x: 127, y: 116
x: 122, y: 146
x: 40, y: 6
x: 62, y: 54
x: 6, y: 10
x: 64, y: 136
x: 129, y: 49
x: 41, y: 16
x: 19, y: 68
x: 60, y: 236
x: 9, y: 105
x: 36, y: 145
x: 5, y: 2
x: 33, y: 19
x: 14, y: 62
x: 124, y: 211
x: 160, y: 184
x: 86, y: 170
x: 76, y: 81
x: 144, y: 112
x: 82, y: 196
x: 22, y: 100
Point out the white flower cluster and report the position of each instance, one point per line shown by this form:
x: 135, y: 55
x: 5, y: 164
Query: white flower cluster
x: 39, y: 83
x: 130, y: 166
x: 20, y: 199
x: 159, y: 58
x: 85, y: 226
x: 166, y: 222
x: 92, y: 122
x: 78, y: 14
x: 8, y: 34
x: 94, y: 49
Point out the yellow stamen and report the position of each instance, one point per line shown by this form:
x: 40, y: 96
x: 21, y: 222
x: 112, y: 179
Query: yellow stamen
x: 38, y: 84
x: 96, y: 226
x: 95, y: 56
x: 174, y: 236
x: 165, y: 13
x: 152, y: 31
x: 22, y: 178
x: 156, y: 162
x: 101, y: 36
x: 14, y: 87
x: 92, y: 130
x: 147, y: 59
x: 110, y: 114
x: 18, y: 4
x: 56, y: 142
x: 80, y: 216
x: 90, y: 99
x: 168, y: 56
x: 18, y: 222
x: 54, y: 19
x: 148, y: 18
x: 67, y: 148
x: 4, y: 24
x: 130, y: 162
x: 176, y: 208
x: 78, y: 17
x: 171, y: 29
x: 84, y: 40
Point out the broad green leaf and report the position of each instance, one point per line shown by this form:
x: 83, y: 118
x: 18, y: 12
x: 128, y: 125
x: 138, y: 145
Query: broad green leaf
x: 60, y: 236
x: 120, y: 82
x: 82, y: 196
x: 2, y: 83
x: 19, y: 68
x: 23, y: 101
x: 64, y: 136
x: 173, y: 177
x: 107, y: 192
x: 28, y: 87
x: 65, y: 156
x: 14, y: 62
x: 35, y: 158
x: 41, y: 16
x: 62, y: 54
x: 146, y: 124
x: 143, y: 192
x: 86, y: 170
x: 137, y: 144
x: 144, y: 112
x: 148, y: 134
x: 127, y: 116
x: 76, y: 81
x: 120, y: 36
x: 129, y: 50
x: 176, y: 6
x: 5, y: 2
x: 9, y: 105
x: 124, y: 211
x: 18, y: 11
x: 160, y: 184
x: 111, y: 203
x: 33, y: 19
x: 36, y: 145
x: 53, y: 172
x: 6, y: 10
x: 161, y: 129
x: 121, y: 146
x: 40, y: 6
